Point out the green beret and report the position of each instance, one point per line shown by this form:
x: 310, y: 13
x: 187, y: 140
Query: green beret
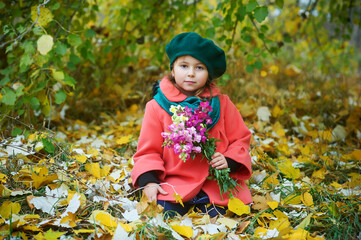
x: 203, y: 49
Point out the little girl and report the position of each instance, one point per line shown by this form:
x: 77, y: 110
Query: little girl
x: 195, y: 63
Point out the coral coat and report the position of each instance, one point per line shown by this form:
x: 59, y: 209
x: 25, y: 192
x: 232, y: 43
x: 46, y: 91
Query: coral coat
x: 190, y: 177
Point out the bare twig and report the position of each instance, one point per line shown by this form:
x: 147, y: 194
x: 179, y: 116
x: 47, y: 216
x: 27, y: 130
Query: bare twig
x: 27, y: 30
x: 264, y: 42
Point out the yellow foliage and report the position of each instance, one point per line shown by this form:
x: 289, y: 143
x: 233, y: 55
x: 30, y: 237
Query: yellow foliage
x: 45, y: 15
x: 238, y: 207
x: 8, y: 209
x: 104, y: 218
x: 356, y: 155
x: 178, y: 198
x: 81, y: 158
x: 273, y: 205
x: 124, y: 140
x: 185, y: 231
x: 307, y: 199
x: 288, y: 170
x: 43, y: 177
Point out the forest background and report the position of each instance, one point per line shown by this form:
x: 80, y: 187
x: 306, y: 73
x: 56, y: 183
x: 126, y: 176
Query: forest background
x: 74, y: 70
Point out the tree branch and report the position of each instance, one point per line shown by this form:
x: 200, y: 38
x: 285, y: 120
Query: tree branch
x: 27, y: 30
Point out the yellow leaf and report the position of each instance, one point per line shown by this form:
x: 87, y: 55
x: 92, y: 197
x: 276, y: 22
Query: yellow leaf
x: 274, y: 69
x: 4, y: 191
x: 93, y: 152
x: 50, y: 235
x: 293, y: 199
x: 8, y: 208
x: 45, y: 44
x: 299, y: 234
x: 58, y: 75
x: 307, y: 199
x: 276, y: 111
x: 305, y: 222
x: 320, y: 174
x: 356, y: 154
x: 81, y: 158
x: 124, y: 140
x: 178, y: 198
x: 126, y: 227
x: 84, y: 231
x: 105, y: 171
x: 43, y: 177
x: 93, y: 168
x: 273, y: 205
x: 278, y: 129
x: 230, y: 223
x: 325, y: 135
x: 238, y: 207
x: 281, y: 222
x: 103, y: 218
x: 288, y: 170
x: 3, y: 178
x: 260, y: 231
x: 185, y: 231
x: 45, y: 15
x: 263, y: 73
x: 31, y: 228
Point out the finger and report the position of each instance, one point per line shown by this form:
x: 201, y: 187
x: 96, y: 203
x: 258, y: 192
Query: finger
x: 216, y: 154
x: 162, y: 191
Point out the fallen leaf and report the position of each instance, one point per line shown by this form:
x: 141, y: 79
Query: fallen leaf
x: 238, y: 207
x: 185, y: 231
x: 8, y: 209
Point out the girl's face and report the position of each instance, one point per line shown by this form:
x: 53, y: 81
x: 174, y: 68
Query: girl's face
x: 190, y: 74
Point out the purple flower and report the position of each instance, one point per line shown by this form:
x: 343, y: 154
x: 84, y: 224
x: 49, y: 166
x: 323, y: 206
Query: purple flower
x: 188, y: 133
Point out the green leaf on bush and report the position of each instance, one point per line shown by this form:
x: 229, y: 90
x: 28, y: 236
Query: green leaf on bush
x: 69, y: 81
x: 48, y: 146
x: 260, y: 13
x: 34, y: 103
x: 90, y: 33
x: 279, y: 3
x: 74, y: 39
x: 2, y: 5
x: 74, y: 59
x: 258, y: 64
x: 60, y: 48
x: 60, y: 96
x: 241, y: 13
x: 4, y: 81
x: 9, y: 97
x: 210, y: 32
x: 251, y: 5
x: 15, y: 132
x: 58, y: 75
x: 246, y: 38
x: 249, y: 68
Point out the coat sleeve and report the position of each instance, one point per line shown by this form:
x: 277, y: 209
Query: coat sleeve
x: 149, y: 150
x: 239, y: 137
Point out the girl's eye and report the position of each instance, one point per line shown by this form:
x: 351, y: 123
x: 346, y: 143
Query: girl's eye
x: 200, y: 68
x: 183, y: 66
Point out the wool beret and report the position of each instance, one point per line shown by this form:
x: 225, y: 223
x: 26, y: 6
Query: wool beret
x: 203, y: 49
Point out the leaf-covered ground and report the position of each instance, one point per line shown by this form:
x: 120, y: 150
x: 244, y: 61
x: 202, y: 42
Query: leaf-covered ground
x: 74, y: 183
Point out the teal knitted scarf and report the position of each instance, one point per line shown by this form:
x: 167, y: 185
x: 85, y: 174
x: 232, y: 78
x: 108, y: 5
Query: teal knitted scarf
x: 191, y: 102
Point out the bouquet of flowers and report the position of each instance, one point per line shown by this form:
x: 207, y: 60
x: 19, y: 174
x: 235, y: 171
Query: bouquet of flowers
x: 188, y: 136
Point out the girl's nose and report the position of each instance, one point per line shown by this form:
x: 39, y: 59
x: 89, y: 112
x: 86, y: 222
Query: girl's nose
x: 191, y: 71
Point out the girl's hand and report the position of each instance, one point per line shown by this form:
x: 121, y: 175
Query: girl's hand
x: 151, y: 190
x: 218, y: 161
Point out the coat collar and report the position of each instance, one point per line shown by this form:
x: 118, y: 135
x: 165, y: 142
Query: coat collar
x: 174, y: 95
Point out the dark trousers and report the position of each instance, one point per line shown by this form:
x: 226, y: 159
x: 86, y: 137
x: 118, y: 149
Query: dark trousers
x: 200, y: 201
